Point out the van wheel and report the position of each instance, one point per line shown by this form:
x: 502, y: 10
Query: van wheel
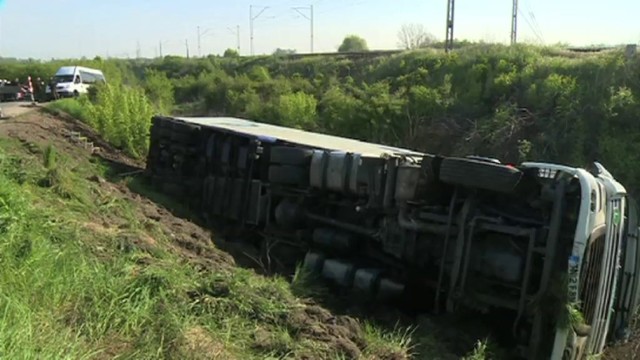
x: 479, y: 174
x: 76, y: 93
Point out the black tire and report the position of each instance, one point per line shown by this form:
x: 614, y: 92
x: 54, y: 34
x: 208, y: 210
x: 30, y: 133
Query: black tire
x: 157, y: 181
x: 173, y: 189
x: 181, y: 137
x: 479, y: 175
x: 285, y: 155
x: 288, y: 175
x: 164, y: 132
x: 165, y: 123
x: 184, y: 127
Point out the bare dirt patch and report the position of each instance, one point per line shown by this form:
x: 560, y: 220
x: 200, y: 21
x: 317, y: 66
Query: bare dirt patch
x: 198, y: 344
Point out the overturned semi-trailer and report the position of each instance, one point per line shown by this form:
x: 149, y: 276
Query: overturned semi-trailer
x: 534, y: 241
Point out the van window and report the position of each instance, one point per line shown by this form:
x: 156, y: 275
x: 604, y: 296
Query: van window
x: 87, y: 78
x: 91, y: 78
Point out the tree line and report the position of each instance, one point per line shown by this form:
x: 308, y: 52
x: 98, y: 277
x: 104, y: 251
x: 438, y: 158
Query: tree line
x: 515, y: 103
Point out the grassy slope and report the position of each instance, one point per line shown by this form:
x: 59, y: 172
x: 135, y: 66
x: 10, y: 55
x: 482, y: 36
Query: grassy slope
x: 86, y: 273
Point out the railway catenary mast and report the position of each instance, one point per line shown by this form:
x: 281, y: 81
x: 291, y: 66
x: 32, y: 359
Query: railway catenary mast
x: 449, y: 38
x: 514, y: 22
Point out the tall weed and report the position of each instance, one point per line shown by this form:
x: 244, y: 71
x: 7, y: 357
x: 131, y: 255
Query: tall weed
x: 122, y: 115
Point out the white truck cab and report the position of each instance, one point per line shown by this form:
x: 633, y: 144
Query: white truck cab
x: 72, y: 81
x: 601, y: 283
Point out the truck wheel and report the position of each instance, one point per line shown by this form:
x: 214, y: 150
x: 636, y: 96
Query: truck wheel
x: 479, y: 174
x: 173, y: 189
x: 181, y: 137
x: 290, y: 156
x: 288, y: 175
x: 184, y: 127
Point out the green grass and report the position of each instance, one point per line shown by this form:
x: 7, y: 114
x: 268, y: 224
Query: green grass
x: 74, y: 107
x: 79, y: 282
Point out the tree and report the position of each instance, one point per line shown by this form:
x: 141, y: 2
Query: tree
x: 159, y: 90
x: 231, y: 53
x: 414, y: 36
x: 297, y: 110
x: 283, y: 52
x: 353, y: 43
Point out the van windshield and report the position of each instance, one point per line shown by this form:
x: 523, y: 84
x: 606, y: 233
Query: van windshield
x: 63, y: 78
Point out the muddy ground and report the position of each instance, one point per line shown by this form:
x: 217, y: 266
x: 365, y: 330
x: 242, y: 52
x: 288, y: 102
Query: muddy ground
x: 194, y: 242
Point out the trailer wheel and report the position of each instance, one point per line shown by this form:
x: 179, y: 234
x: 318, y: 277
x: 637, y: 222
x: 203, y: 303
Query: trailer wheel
x: 479, y: 174
x: 173, y: 189
x: 164, y: 122
x: 185, y: 127
x: 290, y: 156
x: 181, y: 137
x: 288, y: 175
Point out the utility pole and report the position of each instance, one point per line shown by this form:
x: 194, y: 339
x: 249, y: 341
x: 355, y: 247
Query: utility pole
x: 138, y: 50
x: 199, y: 48
x: 236, y: 32
x: 186, y: 44
x: 251, y: 19
x: 238, y: 36
x: 514, y: 22
x: 449, y: 39
x: 310, y: 18
x: 160, y: 47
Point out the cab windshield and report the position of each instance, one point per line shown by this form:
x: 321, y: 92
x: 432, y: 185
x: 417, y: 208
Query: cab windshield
x: 63, y: 78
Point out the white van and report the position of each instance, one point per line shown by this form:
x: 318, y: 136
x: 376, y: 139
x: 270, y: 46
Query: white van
x: 71, y: 81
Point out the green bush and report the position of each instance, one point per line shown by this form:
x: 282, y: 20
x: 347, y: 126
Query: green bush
x: 159, y: 90
x: 297, y: 110
x: 122, y: 115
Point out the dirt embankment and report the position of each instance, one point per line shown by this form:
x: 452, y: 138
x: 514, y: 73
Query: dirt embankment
x: 310, y: 323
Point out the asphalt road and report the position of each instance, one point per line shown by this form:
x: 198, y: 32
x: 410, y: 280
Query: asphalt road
x: 15, y: 108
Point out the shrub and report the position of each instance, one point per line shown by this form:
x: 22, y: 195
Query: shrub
x: 297, y: 110
x: 160, y: 90
x: 122, y: 115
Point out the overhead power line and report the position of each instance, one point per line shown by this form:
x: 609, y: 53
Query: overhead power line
x: 252, y: 18
x: 532, y: 28
x: 536, y: 25
x: 531, y: 20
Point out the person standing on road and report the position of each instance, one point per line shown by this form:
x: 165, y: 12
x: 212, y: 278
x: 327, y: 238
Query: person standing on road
x: 54, y: 92
x: 35, y: 90
x: 43, y: 91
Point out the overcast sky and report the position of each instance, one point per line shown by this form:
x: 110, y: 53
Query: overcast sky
x: 72, y: 28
